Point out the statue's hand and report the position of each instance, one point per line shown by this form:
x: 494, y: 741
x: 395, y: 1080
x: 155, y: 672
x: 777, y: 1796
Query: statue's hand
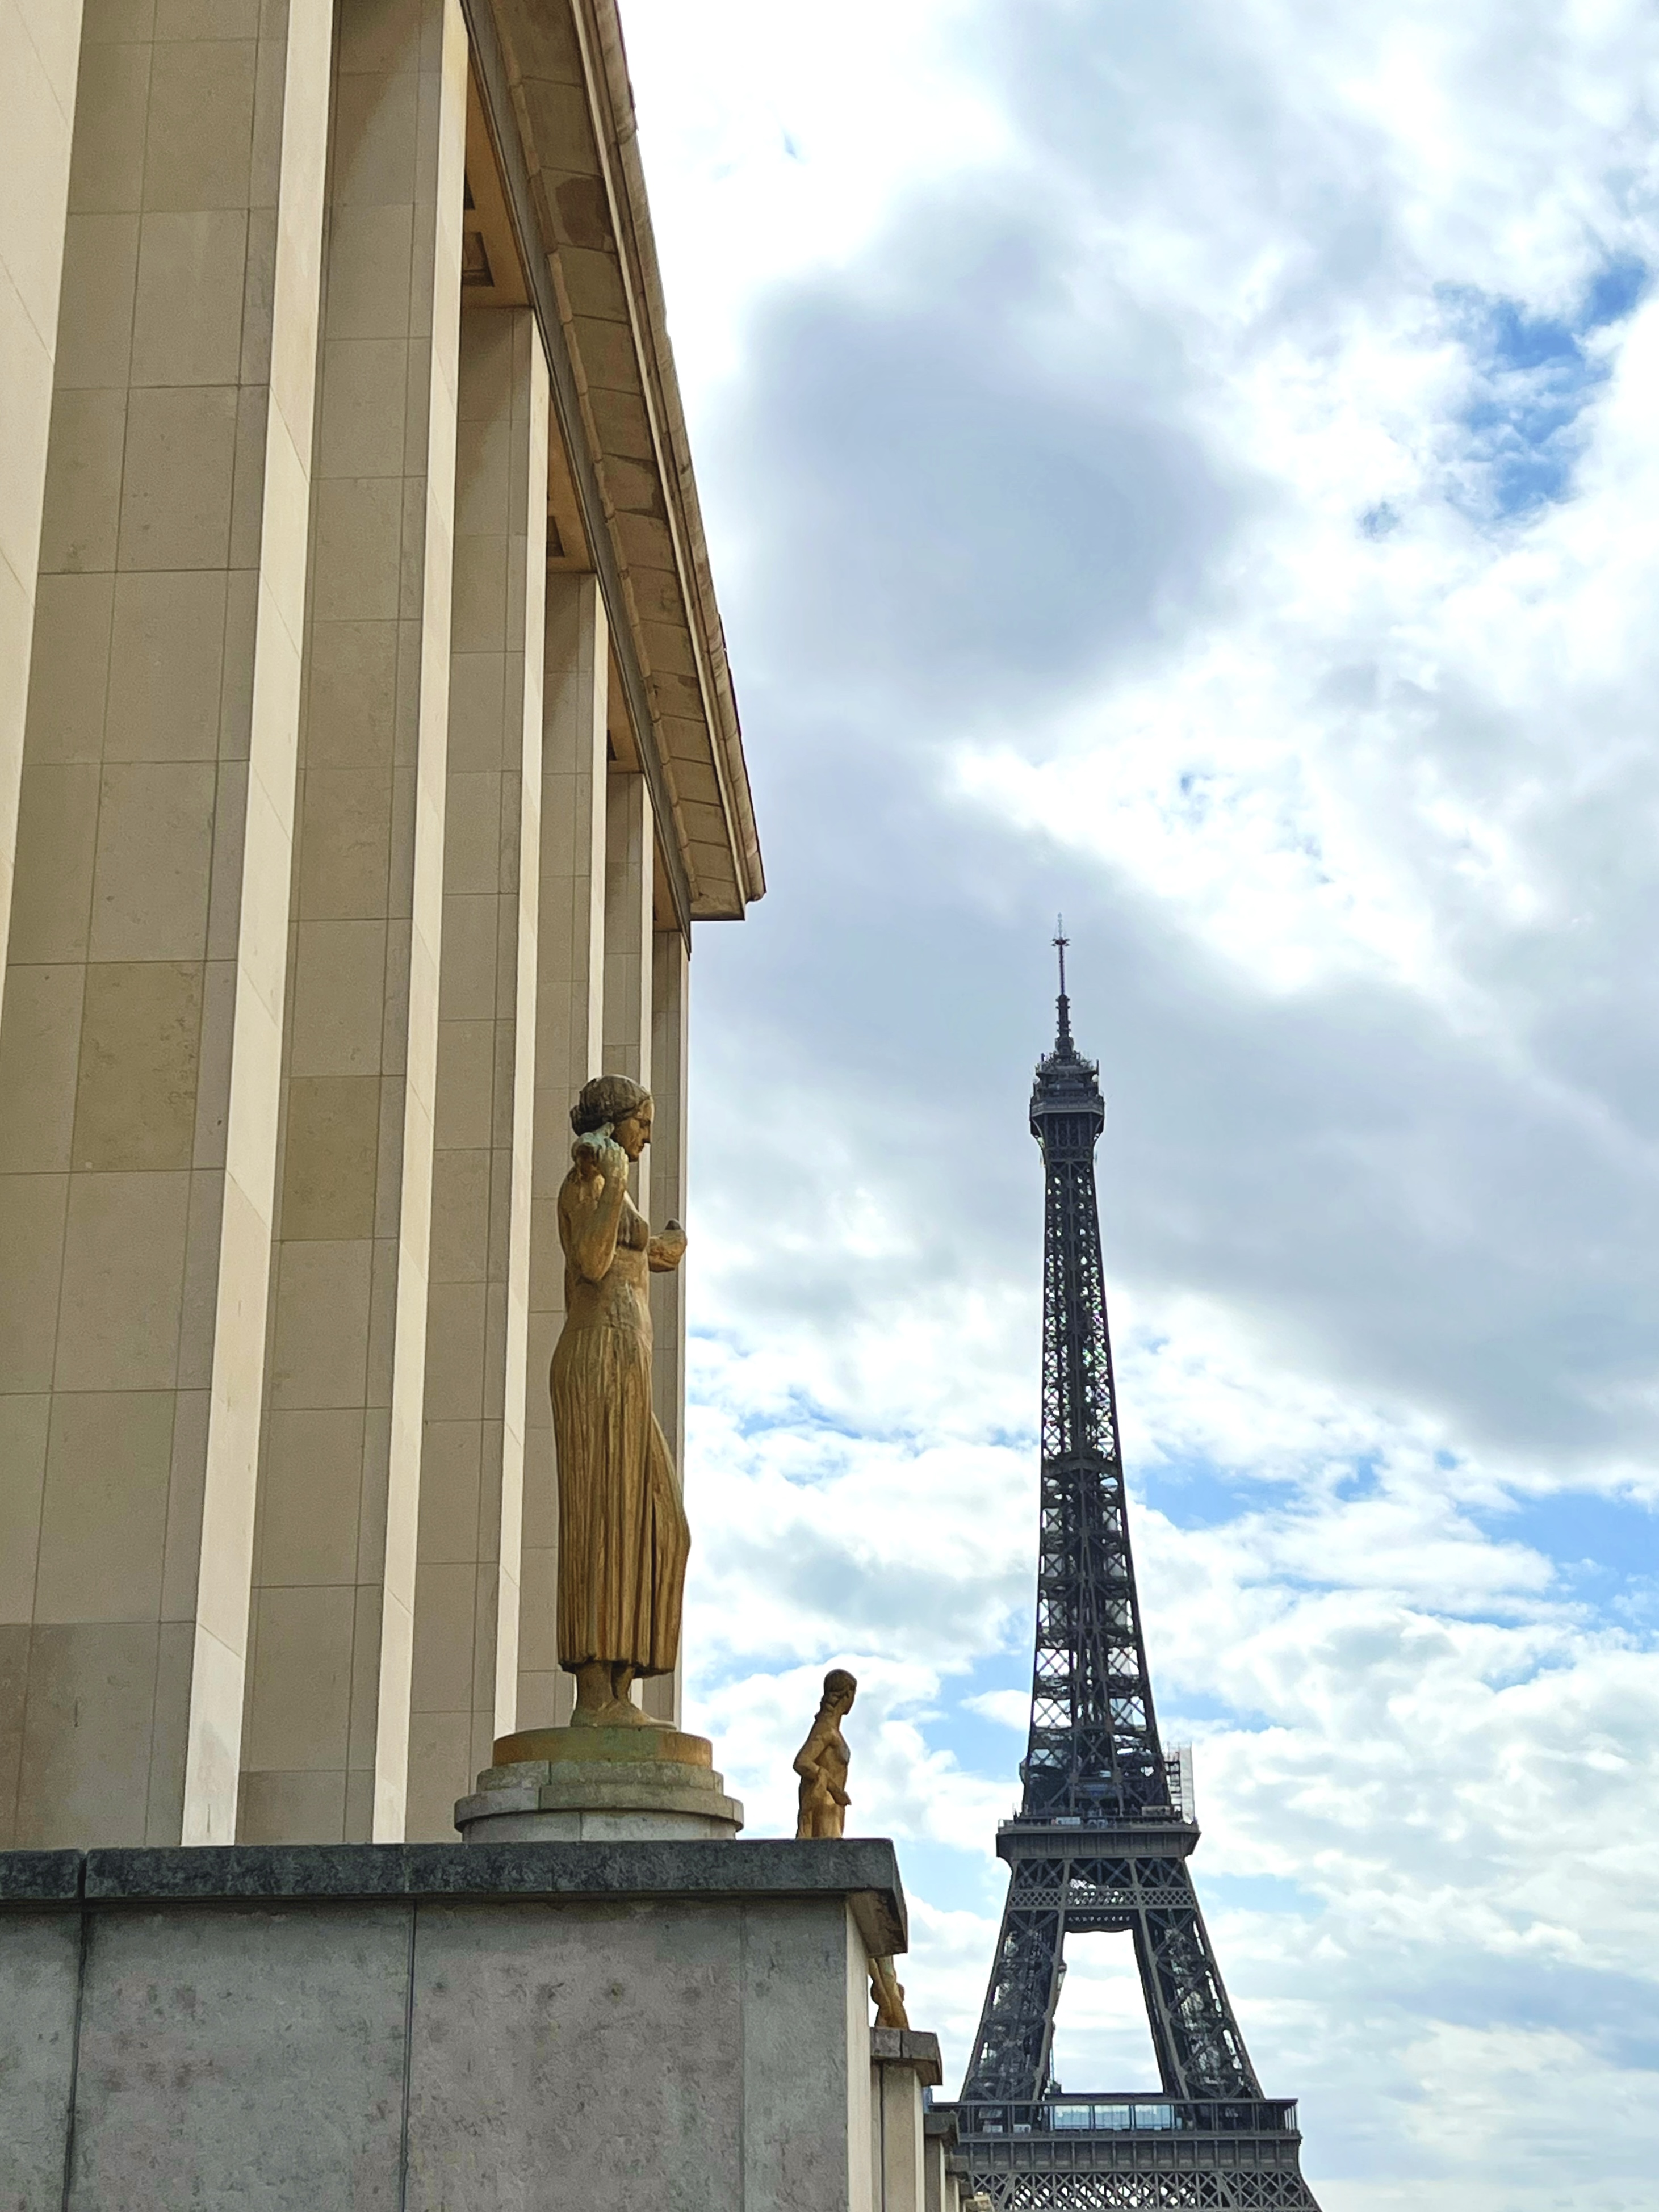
x: 667, y: 1249
x: 588, y: 1151
x: 602, y: 1155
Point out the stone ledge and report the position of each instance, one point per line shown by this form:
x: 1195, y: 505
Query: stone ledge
x: 40, y: 1877
x: 909, y: 2046
x: 864, y: 1870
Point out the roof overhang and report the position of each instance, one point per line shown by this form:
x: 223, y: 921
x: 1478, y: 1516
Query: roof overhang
x: 555, y: 98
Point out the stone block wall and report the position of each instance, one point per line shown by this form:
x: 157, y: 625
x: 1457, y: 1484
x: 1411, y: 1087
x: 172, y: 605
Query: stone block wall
x: 432, y: 2029
x: 367, y: 753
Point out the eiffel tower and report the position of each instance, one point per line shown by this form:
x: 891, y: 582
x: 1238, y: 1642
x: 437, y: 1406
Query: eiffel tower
x: 1105, y: 1828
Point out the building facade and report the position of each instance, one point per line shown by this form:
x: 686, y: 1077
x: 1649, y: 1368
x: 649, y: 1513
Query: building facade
x: 367, y: 754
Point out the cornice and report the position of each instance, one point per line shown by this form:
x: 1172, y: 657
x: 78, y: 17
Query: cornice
x: 553, y: 78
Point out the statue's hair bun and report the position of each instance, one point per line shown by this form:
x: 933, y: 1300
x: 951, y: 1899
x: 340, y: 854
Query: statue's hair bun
x: 607, y: 1098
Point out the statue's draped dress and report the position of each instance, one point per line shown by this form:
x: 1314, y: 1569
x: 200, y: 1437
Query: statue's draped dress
x: 624, y: 1538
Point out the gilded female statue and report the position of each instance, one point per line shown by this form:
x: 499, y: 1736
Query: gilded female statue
x: 823, y: 1760
x: 822, y: 1763
x: 623, y: 1541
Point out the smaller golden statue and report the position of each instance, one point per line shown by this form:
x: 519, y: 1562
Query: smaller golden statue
x: 887, y: 1993
x: 822, y: 1761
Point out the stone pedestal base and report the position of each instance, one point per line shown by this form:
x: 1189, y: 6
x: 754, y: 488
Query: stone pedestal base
x: 443, y: 2027
x: 600, y: 1785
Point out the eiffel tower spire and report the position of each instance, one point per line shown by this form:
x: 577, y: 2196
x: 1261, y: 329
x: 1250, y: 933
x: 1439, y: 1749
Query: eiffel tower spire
x: 1062, y: 1005
x: 1105, y: 1827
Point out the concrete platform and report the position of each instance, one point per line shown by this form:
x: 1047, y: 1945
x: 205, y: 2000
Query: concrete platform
x: 443, y: 2027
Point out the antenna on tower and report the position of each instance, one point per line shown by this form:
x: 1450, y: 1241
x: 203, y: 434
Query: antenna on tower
x: 1063, y: 1036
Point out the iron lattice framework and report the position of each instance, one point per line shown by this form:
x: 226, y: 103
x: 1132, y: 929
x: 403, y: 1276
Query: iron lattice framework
x: 1105, y: 1827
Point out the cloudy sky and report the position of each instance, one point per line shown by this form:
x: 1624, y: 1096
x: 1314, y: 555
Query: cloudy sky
x: 1197, y: 466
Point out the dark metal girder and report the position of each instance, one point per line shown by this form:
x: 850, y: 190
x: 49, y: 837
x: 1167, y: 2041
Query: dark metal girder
x: 1101, y: 1838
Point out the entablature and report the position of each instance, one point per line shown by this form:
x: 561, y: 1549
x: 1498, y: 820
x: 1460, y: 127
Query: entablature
x: 555, y: 98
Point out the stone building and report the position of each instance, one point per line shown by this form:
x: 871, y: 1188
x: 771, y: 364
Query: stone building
x: 367, y: 754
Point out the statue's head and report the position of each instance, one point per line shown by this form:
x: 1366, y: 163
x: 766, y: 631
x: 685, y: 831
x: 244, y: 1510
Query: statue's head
x: 840, y: 1688
x: 619, y: 1104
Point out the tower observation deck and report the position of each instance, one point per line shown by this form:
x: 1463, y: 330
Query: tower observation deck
x: 1105, y: 1827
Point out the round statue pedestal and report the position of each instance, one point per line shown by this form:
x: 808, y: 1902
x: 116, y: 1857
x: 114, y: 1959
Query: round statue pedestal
x: 600, y: 1785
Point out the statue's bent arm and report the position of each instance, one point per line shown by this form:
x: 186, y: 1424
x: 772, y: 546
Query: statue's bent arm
x: 594, y: 1215
x: 809, y: 1763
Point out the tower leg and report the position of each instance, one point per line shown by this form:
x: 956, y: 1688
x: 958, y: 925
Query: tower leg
x: 1201, y: 2052
x: 1017, y: 2029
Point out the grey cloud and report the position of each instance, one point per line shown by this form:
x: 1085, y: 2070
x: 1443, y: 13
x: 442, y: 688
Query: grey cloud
x: 947, y: 509
x: 977, y: 481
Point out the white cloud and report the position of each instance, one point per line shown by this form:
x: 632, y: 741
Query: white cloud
x: 1196, y: 466
x: 786, y: 146
x: 1009, y: 1708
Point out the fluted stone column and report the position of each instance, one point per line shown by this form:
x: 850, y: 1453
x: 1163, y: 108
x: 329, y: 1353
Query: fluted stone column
x: 630, y: 835
x: 667, y: 1157
x: 326, y: 1734
x: 322, y: 888
x: 670, y: 997
x: 144, y: 991
x: 569, y: 1036
x: 466, y: 1581
x: 40, y: 64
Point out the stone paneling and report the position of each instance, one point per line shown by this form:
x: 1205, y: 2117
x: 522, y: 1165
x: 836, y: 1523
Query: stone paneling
x: 387, y: 2028
x: 224, y: 2051
x: 40, y: 1959
x: 489, y: 2103
x: 326, y: 1747
x: 472, y: 1448
x: 136, y: 1075
x: 568, y: 1044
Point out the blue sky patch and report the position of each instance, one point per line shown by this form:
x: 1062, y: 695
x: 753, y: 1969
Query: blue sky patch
x: 1534, y: 377
x: 1605, y: 1550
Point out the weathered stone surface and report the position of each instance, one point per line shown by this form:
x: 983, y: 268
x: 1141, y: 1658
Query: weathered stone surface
x: 909, y: 2046
x: 219, y: 2046
x: 897, y: 2158
x: 863, y: 1868
x: 531, y: 1823
x: 248, y: 1870
x: 27, y: 1877
x: 533, y: 2037
x: 546, y: 1748
x: 40, y: 1957
x: 938, y: 2131
x: 597, y: 2025
x: 529, y: 2058
x: 806, y: 2090
x: 599, y: 1784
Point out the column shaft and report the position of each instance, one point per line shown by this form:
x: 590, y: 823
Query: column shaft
x: 144, y: 989
x: 471, y: 1475
x: 327, y: 1725
x: 39, y: 63
x: 669, y: 998
x: 629, y: 836
x: 569, y: 1014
